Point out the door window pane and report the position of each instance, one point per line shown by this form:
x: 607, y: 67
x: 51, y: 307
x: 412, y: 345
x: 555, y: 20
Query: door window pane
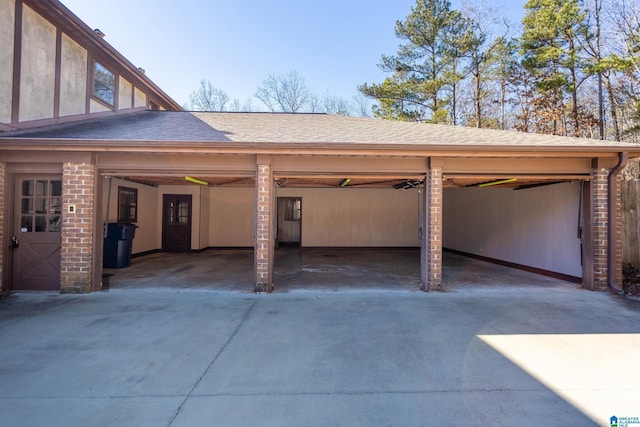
x: 54, y: 223
x: 27, y: 188
x: 41, y: 188
x: 26, y: 223
x: 27, y: 206
x: 56, y: 188
x: 41, y: 206
x: 41, y: 223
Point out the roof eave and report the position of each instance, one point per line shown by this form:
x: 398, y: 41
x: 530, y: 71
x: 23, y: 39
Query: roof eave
x: 142, y: 146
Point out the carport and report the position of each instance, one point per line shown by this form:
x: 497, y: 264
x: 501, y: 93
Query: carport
x: 349, y: 183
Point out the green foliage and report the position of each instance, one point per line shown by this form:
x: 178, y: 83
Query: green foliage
x: 434, y: 37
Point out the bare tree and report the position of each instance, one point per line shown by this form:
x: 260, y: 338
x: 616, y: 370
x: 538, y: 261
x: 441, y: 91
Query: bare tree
x: 207, y: 98
x: 284, y: 93
x: 362, y: 104
x: 238, y: 106
x: 332, y: 104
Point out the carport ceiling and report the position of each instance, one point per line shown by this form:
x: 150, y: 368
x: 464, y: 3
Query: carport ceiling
x: 449, y: 181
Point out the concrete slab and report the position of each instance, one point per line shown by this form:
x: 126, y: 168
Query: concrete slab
x: 315, y: 269
x: 188, y: 357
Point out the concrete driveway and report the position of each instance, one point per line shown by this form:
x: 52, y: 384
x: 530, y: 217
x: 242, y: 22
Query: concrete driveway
x: 552, y: 356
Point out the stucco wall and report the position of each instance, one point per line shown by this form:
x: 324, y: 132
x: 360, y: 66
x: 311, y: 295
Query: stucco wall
x: 536, y: 227
x: 7, y: 19
x: 140, y: 98
x: 73, y: 77
x: 125, y: 94
x: 37, y: 77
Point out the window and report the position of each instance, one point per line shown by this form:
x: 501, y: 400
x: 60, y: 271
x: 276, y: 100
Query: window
x: 127, y: 204
x: 293, y: 209
x: 41, y: 206
x: 104, y: 83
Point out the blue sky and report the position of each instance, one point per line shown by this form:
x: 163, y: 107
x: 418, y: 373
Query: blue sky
x: 334, y: 44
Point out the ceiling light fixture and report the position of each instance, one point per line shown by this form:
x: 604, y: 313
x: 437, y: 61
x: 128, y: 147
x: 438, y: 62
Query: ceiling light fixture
x: 196, y: 180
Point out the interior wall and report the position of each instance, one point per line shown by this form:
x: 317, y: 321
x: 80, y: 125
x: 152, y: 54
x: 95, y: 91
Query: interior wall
x: 231, y: 210
x: 536, y: 227
x: 147, y: 236
x: 357, y: 217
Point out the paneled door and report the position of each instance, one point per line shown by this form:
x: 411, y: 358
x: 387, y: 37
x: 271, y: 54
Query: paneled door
x: 176, y: 223
x: 35, y: 240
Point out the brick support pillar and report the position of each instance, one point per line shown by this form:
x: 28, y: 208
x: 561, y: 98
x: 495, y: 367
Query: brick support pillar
x: 76, y: 255
x: 431, y: 245
x: 619, y: 243
x: 600, y: 223
x: 3, y: 243
x: 264, y: 228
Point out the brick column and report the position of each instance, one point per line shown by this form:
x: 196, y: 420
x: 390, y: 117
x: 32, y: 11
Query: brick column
x: 599, y: 224
x: 3, y: 243
x: 431, y: 245
x: 77, y: 227
x: 264, y: 229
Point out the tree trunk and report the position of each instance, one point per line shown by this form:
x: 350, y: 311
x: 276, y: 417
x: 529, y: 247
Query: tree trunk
x: 614, y: 111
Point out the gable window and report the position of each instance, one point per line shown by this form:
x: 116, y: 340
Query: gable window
x: 127, y: 204
x: 104, y: 83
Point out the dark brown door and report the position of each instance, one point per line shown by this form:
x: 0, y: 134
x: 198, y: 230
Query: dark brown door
x: 35, y: 239
x: 176, y: 223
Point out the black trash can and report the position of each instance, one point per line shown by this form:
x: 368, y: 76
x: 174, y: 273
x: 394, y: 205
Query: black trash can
x: 117, y: 245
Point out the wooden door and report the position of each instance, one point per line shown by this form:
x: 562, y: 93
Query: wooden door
x: 289, y: 221
x: 176, y: 223
x: 35, y: 240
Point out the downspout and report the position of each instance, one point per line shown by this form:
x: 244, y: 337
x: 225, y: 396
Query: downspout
x: 611, y: 222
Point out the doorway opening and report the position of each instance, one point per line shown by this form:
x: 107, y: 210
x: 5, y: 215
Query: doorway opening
x: 289, y: 225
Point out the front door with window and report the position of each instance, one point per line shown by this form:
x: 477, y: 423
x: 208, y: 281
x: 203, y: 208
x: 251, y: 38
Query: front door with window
x: 176, y: 223
x: 35, y: 240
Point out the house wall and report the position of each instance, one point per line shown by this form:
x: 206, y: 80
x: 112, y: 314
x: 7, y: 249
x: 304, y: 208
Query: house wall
x: 535, y: 227
x: 148, y: 233
x: 37, y: 77
x: 7, y: 19
x: 73, y: 77
x: 54, y: 77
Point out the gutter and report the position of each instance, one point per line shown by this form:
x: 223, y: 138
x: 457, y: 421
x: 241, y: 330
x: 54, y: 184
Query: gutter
x: 611, y: 222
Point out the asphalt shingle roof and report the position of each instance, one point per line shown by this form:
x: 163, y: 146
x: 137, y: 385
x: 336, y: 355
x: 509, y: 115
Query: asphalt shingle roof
x: 282, y: 128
